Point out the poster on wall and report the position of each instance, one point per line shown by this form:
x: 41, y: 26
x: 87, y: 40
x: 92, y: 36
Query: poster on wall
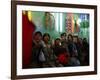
x: 53, y: 39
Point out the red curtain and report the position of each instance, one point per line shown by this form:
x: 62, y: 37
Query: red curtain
x: 27, y: 30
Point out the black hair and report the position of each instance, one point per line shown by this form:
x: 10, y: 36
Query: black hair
x: 84, y: 39
x: 57, y: 39
x: 46, y: 34
x: 38, y: 32
x: 69, y: 35
x: 63, y: 34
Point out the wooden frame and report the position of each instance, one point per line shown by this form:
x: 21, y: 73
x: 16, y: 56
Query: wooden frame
x: 14, y: 5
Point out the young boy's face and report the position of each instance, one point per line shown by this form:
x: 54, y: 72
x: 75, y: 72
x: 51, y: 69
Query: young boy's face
x: 75, y: 40
x: 38, y: 37
x: 63, y: 37
x: 46, y: 38
x: 57, y: 42
x: 70, y: 38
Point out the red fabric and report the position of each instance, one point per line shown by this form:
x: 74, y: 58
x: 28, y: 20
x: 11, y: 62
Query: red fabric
x: 63, y: 58
x: 27, y: 31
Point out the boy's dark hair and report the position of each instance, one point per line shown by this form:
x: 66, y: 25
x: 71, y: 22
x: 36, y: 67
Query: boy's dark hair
x: 57, y: 39
x: 70, y: 36
x: 84, y: 39
x: 38, y: 32
x: 63, y: 34
x: 46, y: 34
